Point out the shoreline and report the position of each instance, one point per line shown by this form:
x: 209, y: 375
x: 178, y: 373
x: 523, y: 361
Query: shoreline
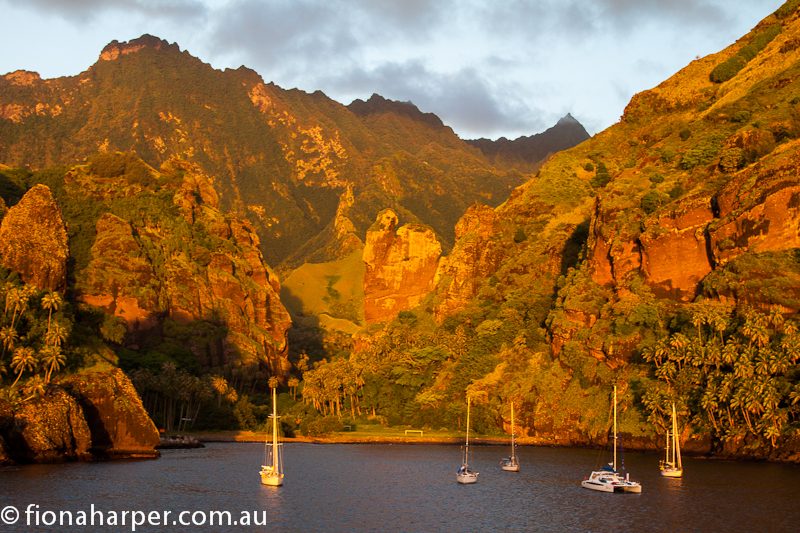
x: 259, y: 437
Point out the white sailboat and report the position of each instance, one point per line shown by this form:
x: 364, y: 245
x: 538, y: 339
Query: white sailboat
x: 607, y: 479
x: 464, y: 475
x: 671, y: 466
x: 511, y: 464
x: 272, y: 469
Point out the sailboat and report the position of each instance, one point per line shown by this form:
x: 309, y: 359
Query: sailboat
x: 272, y: 469
x: 511, y: 464
x: 464, y: 475
x: 607, y: 479
x: 671, y: 465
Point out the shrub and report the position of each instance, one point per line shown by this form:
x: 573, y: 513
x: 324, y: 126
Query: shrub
x: 588, y: 167
x: 601, y: 176
x: 727, y: 69
x: 685, y: 133
x: 651, y: 201
x: 731, y: 66
x: 731, y: 159
x: 519, y: 236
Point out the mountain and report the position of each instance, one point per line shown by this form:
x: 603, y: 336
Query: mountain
x: 309, y: 173
x: 662, y: 254
x: 530, y: 151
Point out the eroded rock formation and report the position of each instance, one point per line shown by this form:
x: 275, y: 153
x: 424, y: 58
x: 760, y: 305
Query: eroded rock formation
x: 97, y: 415
x: 119, y: 424
x: 33, y: 240
x: 474, y: 257
x: 400, y: 266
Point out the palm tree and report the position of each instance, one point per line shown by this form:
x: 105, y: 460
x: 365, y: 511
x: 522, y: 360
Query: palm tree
x: 24, y: 359
x: 8, y: 336
x: 56, y: 334
x: 293, y: 383
x: 51, y: 302
x: 36, y: 386
x: 52, y: 359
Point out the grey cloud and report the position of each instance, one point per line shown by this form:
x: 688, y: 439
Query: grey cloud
x: 463, y: 99
x: 285, y: 35
x: 83, y: 11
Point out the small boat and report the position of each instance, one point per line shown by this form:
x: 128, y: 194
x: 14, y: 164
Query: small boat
x: 608, y: 479
x: 272, y: 469
x: 511, y: 464
x: 464, y: 475
x: 671, y: 466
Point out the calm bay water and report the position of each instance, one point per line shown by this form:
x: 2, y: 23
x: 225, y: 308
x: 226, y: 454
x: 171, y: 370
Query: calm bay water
x: 413, y: 488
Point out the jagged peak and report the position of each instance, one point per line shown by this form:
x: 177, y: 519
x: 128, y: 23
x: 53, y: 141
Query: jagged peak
x: 377, y: 104
x: 115, y: 49
x: 568, y: 119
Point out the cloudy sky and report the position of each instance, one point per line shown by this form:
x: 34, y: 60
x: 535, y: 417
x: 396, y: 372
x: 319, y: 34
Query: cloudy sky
x: 486, y: 67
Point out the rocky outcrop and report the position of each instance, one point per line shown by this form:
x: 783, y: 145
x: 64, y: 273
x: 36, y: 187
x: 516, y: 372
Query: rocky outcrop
x: 474, y: 257
x: 669, y: 249
x: 33, y: 240
x: 97, y: 415
x: 674, y: 249
x: 119, y: 277
x: 759, y: 210
x: 215, y: 273
x: 613, y: 253
x: 52, y: 428
x: 400, y: 266
x: 119, y: 424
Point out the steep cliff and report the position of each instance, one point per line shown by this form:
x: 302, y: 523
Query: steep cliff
x: 33, y: 240
x: 179, y: 260
x: 400, y: 266
x: 473, y: 259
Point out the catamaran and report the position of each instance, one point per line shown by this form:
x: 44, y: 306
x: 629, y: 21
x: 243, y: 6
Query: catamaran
x: 511, y: 464
x: 671, y: 466
x: 464, y: 475
x: 272, y: 469
x: 607, y: 479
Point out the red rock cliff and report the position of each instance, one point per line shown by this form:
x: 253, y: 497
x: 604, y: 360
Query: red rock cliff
x: 400, y: 266
x: 33, y: 240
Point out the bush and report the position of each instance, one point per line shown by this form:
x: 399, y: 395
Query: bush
x: 588, y: 167
x: 685, y: 133
x: 731, y: 159
x: 321, y: 425
x: 601, y: 176
x: 730, y: 67
x: 519, y: 236
x: 727, y: 69
x: 651, y: 201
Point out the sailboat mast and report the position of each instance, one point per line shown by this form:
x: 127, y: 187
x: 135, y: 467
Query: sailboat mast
x: 513, y: 447
x: 676, y: 450
x: 466, y: 444
x: 614, y: 465
x: 274, y: 423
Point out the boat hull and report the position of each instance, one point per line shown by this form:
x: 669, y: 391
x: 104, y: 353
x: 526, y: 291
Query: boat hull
x: 610, y: 481
x: 271, y: 479
x: 672, y: 472
x: 468, y: 478
x: 510, y: 467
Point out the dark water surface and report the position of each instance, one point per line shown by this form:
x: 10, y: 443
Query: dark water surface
x: 410, y: 488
